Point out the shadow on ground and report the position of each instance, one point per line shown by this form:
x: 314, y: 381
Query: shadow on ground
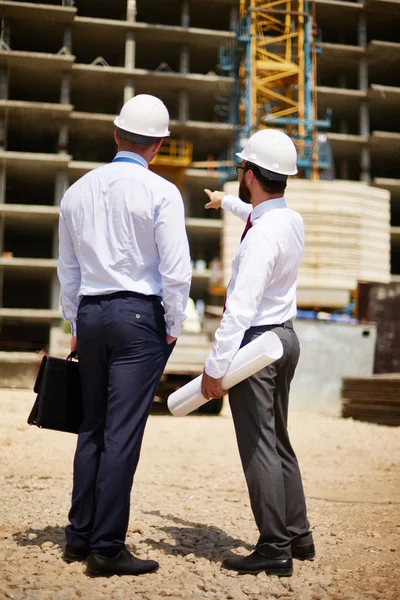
x: 37, y: 537
x: 204, y: 541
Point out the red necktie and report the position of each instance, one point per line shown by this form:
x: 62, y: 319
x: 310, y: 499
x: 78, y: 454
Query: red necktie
x: 247, y: 227
x: 245, y: 230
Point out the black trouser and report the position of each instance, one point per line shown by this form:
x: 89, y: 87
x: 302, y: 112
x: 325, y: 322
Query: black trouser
x: 122, y: 353
x: 259, y: 407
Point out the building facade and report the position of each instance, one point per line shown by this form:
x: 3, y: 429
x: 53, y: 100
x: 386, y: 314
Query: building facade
x: 65, y: 70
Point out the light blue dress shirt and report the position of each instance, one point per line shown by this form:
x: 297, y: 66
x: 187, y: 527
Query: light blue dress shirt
x: 122, y: 228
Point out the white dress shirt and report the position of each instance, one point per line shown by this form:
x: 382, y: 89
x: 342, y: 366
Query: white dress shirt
x: 262, y: 290
x: 122, y: 228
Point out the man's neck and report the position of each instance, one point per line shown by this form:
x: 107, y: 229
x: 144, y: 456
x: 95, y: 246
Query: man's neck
x: 135, y: 149
x: 264, y: 197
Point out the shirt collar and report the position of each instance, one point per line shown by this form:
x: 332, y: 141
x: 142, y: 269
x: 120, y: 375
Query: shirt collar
x: 133, y: 156
x: 266, y: 206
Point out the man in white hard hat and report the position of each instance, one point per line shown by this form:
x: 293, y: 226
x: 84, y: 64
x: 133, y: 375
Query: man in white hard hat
x: 125, y: 273
x: 262, y: 297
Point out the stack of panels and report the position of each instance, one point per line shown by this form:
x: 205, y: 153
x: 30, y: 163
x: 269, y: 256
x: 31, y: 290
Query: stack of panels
x: 347, y: 227
x: 375, y: 399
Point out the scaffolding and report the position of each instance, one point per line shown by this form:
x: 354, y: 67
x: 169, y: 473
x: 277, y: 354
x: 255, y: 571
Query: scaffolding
x: 172, y: 159
x: 275, y: 75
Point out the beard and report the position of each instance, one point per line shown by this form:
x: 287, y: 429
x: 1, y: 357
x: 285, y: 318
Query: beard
x: 244, y: 193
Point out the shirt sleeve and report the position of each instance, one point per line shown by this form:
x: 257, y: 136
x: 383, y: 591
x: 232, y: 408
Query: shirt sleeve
x: 236, y: 206
x: 69, y: 273
x: 257, y: 256
x: 175, y: 266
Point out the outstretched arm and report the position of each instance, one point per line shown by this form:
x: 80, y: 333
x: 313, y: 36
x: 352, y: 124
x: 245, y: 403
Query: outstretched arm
x: 228, y: 202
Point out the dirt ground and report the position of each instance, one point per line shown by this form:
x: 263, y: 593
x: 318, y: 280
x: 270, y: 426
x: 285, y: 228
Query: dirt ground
x: 190, y: 509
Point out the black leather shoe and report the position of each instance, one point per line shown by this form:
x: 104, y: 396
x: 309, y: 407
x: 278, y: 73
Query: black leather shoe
x: 122, y: 564
x: 257, y: 563
x: 74, y: 553
x: 304, y: 552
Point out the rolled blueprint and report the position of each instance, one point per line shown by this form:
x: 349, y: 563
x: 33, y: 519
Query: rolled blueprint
x: 259, y: 353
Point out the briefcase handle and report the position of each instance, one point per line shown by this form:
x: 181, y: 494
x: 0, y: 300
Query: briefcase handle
x: 72, y: 355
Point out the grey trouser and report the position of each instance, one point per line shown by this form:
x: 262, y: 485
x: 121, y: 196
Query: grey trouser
x: 259, y: 407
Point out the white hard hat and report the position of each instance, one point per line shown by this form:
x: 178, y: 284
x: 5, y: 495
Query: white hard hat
x: 144, y: 115
x: 273, y: 152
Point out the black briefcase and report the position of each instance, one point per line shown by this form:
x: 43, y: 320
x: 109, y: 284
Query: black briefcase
x: 58, y: 403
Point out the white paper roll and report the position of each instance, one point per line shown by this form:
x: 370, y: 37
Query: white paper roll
x: 259, y: 353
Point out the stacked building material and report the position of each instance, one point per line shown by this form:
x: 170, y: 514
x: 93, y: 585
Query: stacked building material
x: 347, y: 229
x: 375, y: 399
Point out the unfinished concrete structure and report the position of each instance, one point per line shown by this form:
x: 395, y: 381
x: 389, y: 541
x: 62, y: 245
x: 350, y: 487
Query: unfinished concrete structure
x: 65, y: 71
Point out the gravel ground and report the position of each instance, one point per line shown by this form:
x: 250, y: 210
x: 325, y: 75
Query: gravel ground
x: 190, y: 509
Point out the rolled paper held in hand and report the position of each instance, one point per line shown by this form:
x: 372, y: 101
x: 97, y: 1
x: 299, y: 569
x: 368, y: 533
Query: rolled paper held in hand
x: 256, y: 355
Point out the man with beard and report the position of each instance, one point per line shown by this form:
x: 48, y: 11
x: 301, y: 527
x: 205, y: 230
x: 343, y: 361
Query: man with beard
x: 261, y: 297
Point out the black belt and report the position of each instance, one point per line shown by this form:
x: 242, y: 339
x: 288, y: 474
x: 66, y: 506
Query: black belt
x: 286, y: 325
x: 127, y: 294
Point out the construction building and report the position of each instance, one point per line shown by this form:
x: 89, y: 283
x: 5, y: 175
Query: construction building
x: 67, y: 67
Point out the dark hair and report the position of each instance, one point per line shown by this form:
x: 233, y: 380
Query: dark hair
x: 268, y: 185
x: 135, y: 138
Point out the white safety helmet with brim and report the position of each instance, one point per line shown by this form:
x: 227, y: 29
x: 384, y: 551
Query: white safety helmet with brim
x: 145, y: 116
x: 273, y: 152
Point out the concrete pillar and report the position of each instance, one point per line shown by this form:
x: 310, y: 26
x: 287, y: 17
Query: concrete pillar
x: 344, y: 172
x: 5, y: 31
x: 365, y: 165
x: 343, y: 126
x: 343, y: 80
x: 3, y: 136
x: 129, y: 89
x: 63, y: 132
x: 61, y: 186
x: 234, y: 18
x: 183, y: 106
x: 4, y: 83
x: 2, y: 200
x: 130, y: 50
x: 365, y: 157
x: 65, y: 94
x: 184, y: 63
x: 67, y: 42
x: 2, y: 183
x: 185, y: 14
x: 130, y: 63
x: 131, y: 11
x: 63, y: 136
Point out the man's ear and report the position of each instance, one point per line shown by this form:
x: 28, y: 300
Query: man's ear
x: 249, y: 177
x: 116, y: 138
x: 157, y: 146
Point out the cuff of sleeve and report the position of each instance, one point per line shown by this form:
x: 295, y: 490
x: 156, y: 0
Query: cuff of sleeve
x: 173, y: 330
x: 227, y: 201
x: 215, y: 370
x: 73, y: 328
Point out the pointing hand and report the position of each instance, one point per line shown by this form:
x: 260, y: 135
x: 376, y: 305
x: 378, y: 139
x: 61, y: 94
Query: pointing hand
x: 215, y: 199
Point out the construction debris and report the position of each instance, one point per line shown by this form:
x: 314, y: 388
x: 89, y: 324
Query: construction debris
x: 375, y: 399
